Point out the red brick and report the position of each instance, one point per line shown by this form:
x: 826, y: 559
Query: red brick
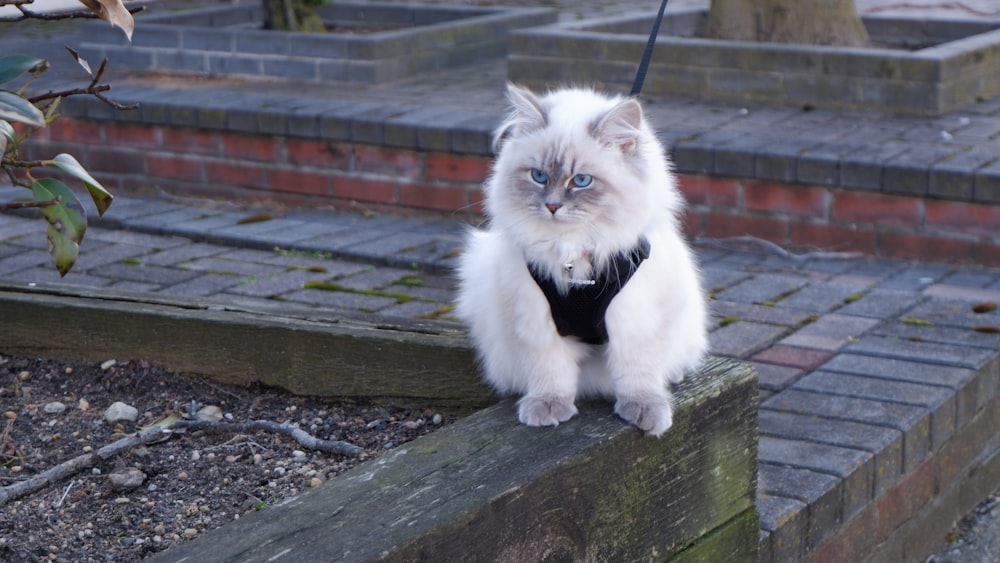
x: 131, y: 135
x: 726, y: 225
x: 875, y: 209
x: 972, y: 218
x: 456, y: 168
x: 986, y: 254
x: 785, y: 198
x: 190, y: 141
x: 336, y: 156
x: 924, y: 247
x: 905, y: 499
x: 176, y: 168
x: 236, y: 174
x: 705, y: 190
x: 477, y: 203
x: 251, y: 147
x: 364, y: 189
x: 854, y: 541
x: 295, y: 181
x: 691, y: 223
x: 792, y: 356
x: 833, y: 237
x: 393, y: 162
x: 67, y: 129
x: 424, y: 196
x: 112, y: 158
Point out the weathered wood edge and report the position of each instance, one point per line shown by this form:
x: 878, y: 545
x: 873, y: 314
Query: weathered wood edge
x: 298, y: 349
x: 487, y: 488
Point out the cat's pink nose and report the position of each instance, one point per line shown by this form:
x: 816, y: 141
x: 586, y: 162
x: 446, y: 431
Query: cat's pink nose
x: 553, y: 207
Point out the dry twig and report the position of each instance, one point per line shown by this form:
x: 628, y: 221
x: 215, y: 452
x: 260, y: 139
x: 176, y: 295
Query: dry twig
x: 157, y: 433
x: 775, y: 248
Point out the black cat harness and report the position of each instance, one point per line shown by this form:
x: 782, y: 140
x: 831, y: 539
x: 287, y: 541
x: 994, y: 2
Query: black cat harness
x: 580, y: 312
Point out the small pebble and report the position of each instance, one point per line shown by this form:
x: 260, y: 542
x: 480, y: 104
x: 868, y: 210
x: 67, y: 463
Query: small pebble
x: 258, y: 459
x: 126, y: 480
x: 108, y: 364
x: 10, y: 415
x: 55, y: 407
x: 24, y: 375
x: 209, y: 412
x: 438, y: 419
x: 190, y: 533
x: 298, y: 455
x: 83, y: 404
x: 120, y: 411
x: 315, y: 482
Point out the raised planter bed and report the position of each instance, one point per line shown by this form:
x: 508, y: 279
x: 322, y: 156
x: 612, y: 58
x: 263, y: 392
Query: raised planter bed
x: 935, y: 67
x: 487, y: 487
x: 229, y: 41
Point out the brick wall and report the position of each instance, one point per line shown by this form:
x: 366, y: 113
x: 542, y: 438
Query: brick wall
x: 141, y: 158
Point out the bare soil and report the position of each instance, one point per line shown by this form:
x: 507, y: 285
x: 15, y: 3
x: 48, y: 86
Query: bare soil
x: 190, y: 483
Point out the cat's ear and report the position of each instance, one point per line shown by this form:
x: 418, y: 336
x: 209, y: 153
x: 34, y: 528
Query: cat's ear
x: 527, y: 114
x: 620, y: 127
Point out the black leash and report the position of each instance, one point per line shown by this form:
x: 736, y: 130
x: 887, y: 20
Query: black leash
x: 640, y: 75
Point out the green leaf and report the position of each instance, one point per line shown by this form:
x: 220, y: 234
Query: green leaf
x: 68, y: 216
x: 16, y: 108
x: 64, y: 252
x: 15, y: 65
x: 102, y: 198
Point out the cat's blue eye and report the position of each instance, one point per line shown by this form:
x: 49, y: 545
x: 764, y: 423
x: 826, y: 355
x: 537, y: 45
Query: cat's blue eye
x: 583, y: 180
x: 539, y: 177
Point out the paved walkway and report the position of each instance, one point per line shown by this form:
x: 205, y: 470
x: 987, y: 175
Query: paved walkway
x: 867, y: 366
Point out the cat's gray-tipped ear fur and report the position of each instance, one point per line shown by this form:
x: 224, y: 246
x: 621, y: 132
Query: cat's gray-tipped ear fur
x: 621, y: 126
x: 527, y: 114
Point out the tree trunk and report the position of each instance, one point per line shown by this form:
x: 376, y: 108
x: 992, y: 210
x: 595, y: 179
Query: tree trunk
x: 292, y: 15
x: 816, y: 22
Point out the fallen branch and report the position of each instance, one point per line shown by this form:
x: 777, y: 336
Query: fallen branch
x: 304, y: 438
x: 77, y: 464
x: 158, y: 433
x: 777, y: 249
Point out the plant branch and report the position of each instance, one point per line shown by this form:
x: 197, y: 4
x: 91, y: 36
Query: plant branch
x: 94, y: 89
x: 77, y: 464
x: 28, y: 204
x: 157, y: 433
x: 304, y: 438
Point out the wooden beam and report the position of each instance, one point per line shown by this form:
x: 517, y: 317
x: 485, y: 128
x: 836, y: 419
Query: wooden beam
x: 295, y: 348
x: 490, y: 489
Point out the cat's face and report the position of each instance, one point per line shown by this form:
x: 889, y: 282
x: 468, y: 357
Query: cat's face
x: 570, y: 163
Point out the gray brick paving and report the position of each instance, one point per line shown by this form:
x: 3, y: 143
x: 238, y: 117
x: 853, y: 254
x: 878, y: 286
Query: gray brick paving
x: 830, y: 332
x: 762, y: 288
x: 885, y: 444
x: 940, y: 402
x: 854, y: 467
x: 742, y: 339
x: 820, y: 491
x: 914, y: 422
x: 881, y: 303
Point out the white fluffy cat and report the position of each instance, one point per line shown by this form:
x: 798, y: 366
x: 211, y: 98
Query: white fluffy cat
x: 581, y: 189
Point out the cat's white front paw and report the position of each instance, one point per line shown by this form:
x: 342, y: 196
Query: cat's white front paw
x: 653, y: 414
x: 545, y: 410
